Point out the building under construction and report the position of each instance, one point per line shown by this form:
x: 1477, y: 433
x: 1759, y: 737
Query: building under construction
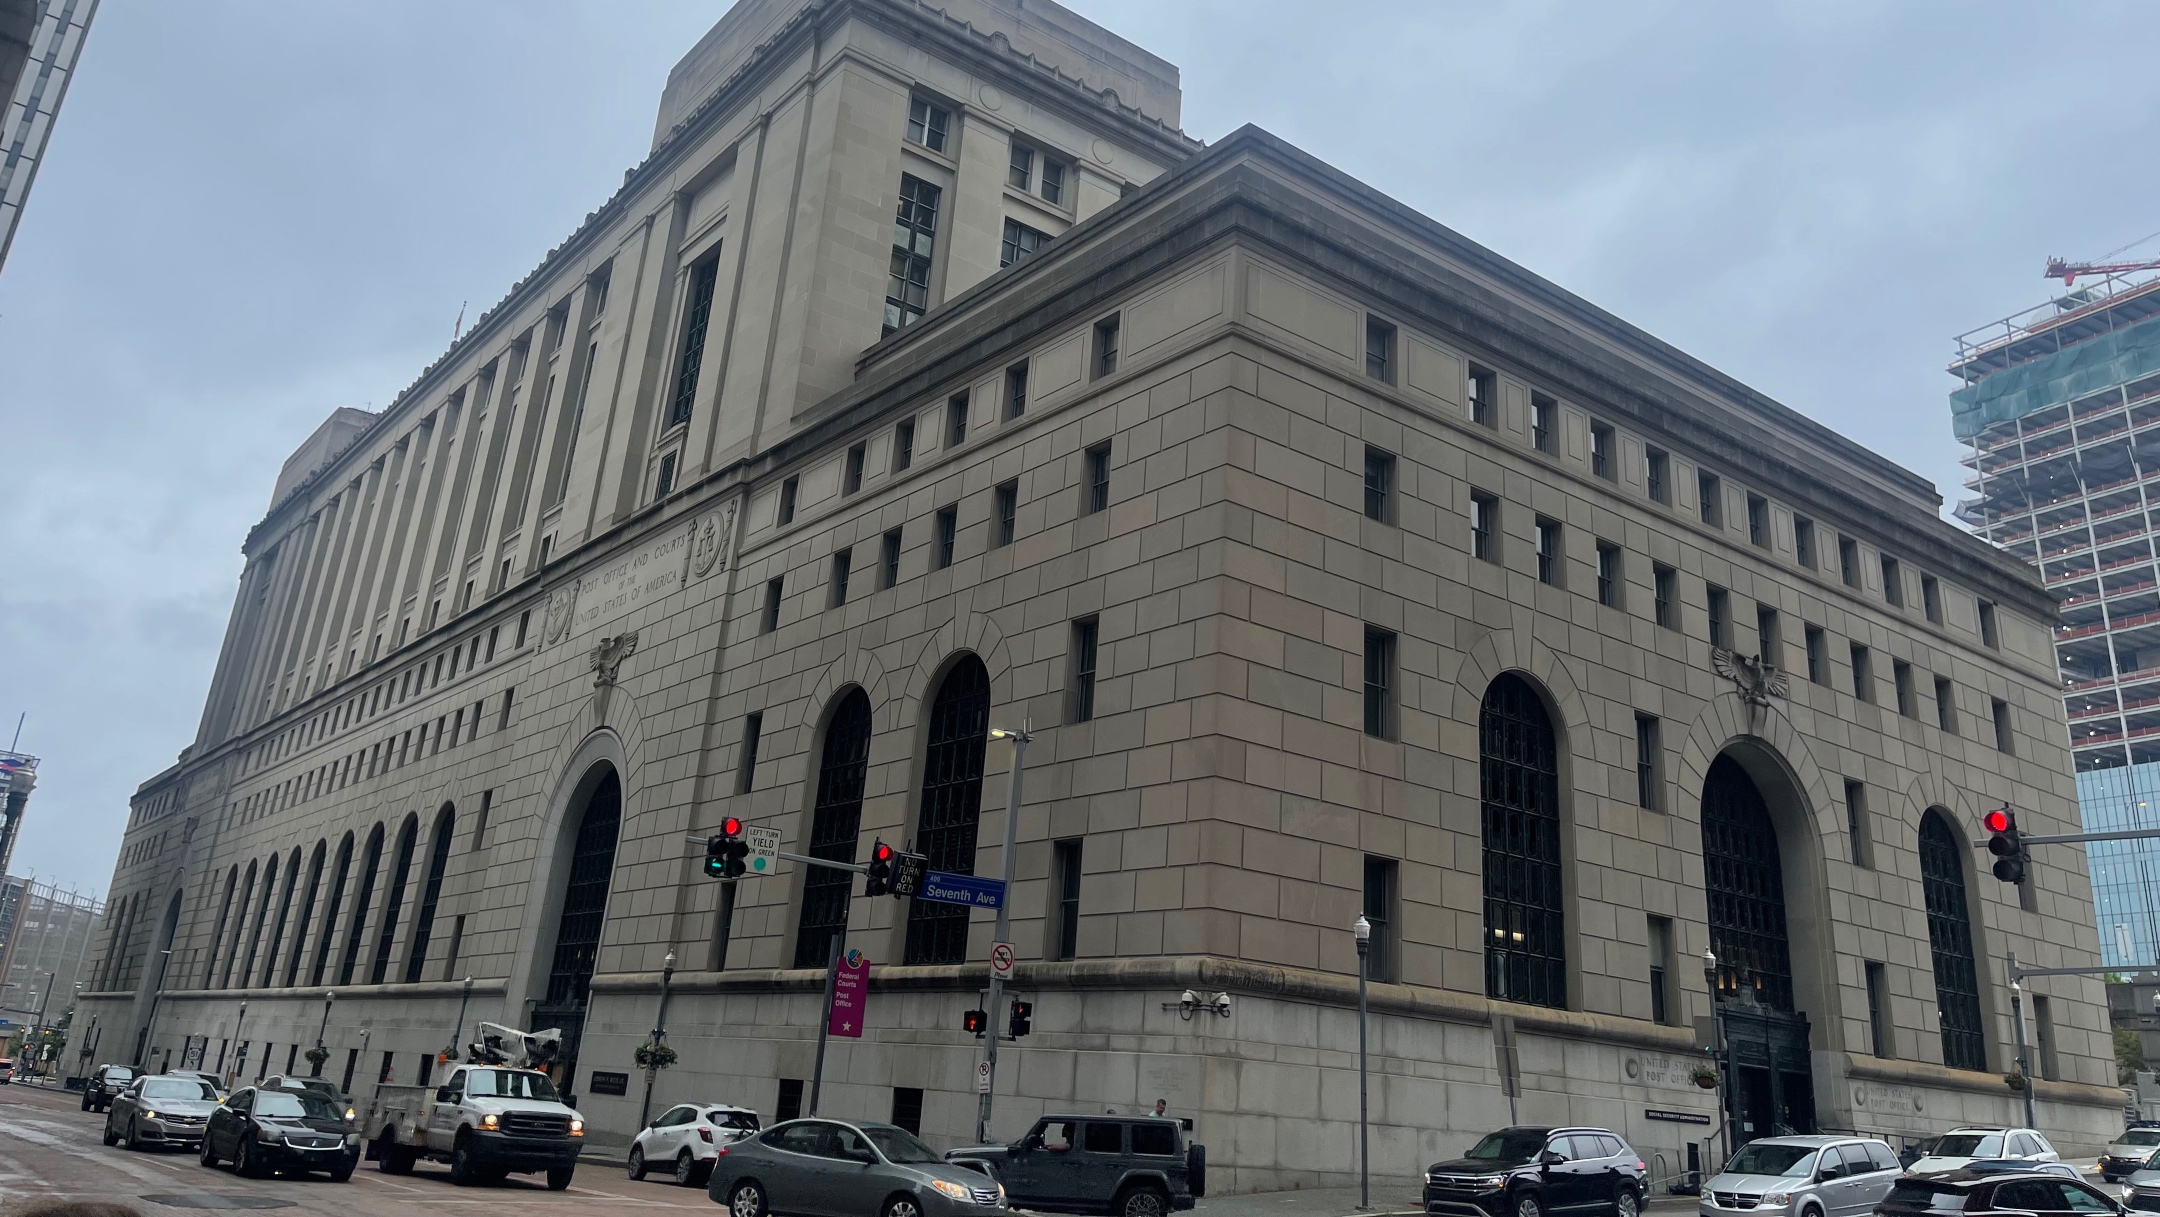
x: 2060, y: 412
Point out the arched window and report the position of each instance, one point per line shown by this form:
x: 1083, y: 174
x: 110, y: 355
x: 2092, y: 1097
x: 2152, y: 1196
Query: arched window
x: 262, y: 918
x: 1519, y: 788
x: 430, y: 893
x: 364, y: 896
x: 277, y: 929
x: 951, y: 807
x: 217, y: 940
x: 1744, y: 876
x: 338, y: 876
x: 833, y: 828
x: 584, y: 907
x: 1957, y: 987
x: 116, y: 941
x: 232, y: 949
x: 307, y: 912
x: 400, y: 869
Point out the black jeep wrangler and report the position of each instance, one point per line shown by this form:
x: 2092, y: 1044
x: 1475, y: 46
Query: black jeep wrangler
x: 1128, y: 1166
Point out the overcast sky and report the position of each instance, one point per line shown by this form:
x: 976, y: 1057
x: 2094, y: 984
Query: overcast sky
x: 253, y: 213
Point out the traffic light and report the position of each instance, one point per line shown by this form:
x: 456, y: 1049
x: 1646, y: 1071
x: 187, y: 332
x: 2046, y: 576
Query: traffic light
x: 2007, y: 844
x: 724, y: 854
x: 975, y: 1022
x: 1023, y: 1018
x: 879, y: 877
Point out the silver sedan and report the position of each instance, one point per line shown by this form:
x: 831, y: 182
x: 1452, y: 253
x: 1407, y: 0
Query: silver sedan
x: 826, y: 1168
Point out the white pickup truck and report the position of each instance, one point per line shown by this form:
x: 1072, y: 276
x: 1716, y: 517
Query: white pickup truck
x: 485, y: 1121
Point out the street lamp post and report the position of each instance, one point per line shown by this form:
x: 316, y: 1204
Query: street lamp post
x: 239, y: 1059
x: 463, y: 999
x: 2024, y: 1057
x: 1362, y: 931
x: 1717, y: 1040
x: 659, y: 1032
x: 157, y: 991
x: 320, y: 1054
x: 1020, y: 738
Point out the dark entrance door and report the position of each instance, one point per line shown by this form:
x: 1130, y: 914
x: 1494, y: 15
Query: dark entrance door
x: 577, y: 934
x: 1771, y: 1088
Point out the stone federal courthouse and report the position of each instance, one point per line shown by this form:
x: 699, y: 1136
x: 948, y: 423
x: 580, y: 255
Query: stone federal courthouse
x: 926, y: 379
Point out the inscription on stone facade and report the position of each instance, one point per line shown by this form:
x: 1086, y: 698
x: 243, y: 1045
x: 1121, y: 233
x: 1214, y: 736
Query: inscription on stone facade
x: 644, y: 575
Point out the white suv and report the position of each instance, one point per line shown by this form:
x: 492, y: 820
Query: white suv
x: 1963, y: 1146
x: 687, y: 1138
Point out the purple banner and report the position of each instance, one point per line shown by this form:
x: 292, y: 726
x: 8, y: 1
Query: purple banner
x: 851, y: 995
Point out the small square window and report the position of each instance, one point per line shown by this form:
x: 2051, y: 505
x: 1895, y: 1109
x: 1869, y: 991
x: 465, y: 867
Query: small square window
x: 1549, y: 556
x: 903, y: 445
x: 1893, y: 582
x: 1719, y: 602
x: 1758, y: 521
x: 770, y: 619
x: 1657, y: 475
x: 1601, y: 451
x: 1095, y: 490
x: 1484, y: 397
x: 927, y: 124
x: 1484, y: 526
x: 948, y: 535
x: 851, y: 480
x: 1106, y: 346
x: 1544, y: 423
x: 1005, y: 515
x: 1931, y: 599
x: 1608, y: 574
x: 787, y: 500
x: 956, y: 421
x: 1803, y: 541
x: 1379, y: 485
x: 1665, y: 584
x: 1379, y: 683
x: 1379, y: 350
x: 1710, y: 499
x: 1016, y: 389
x: 1818, y: 655
x: 842, y: 560
x: 889, y: 559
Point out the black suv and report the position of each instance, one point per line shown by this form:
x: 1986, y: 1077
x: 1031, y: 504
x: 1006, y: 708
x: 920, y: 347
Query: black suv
x: 104, y: 1085
x: 1533, y: 1172
x: 1128, y: 1166
x: 1972, y: 1193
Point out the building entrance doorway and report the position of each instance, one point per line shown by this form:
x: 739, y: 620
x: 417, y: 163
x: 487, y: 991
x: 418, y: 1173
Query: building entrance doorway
x: 577, y: 933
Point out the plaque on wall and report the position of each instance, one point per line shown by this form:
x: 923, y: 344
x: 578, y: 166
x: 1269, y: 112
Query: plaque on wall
x: 1654, y: 1113
x: 610, y: 1083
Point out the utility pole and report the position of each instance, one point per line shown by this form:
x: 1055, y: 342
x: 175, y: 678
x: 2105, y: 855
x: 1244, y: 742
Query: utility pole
x: 1020, y: 738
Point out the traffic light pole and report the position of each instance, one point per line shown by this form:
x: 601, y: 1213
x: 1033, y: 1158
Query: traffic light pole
x: 824, y: 1023
x: 1020, y: 740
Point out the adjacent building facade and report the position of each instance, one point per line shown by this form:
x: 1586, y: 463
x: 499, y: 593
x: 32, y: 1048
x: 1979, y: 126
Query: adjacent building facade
x: 40, y: 42
x: 925, y: 380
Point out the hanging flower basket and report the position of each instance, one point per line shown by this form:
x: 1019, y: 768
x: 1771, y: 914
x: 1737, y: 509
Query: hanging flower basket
x: 317, y: 1055
x: 1704, y: 1076
x: 2015, y: 1081
x: 654, y: 1056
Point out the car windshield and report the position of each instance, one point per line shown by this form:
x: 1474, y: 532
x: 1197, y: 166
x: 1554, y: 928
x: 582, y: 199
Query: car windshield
x: 1513, y: 1145
x: 1791, y: 1161
x: 900, y: 1146
x: 178, y: 1088
x: 1968, y: 1145
x: 744, y: 1120
x: 118, y: 1073
x: 295, y: 1105
x: 509, y: 1084
x: 2141, y: 1136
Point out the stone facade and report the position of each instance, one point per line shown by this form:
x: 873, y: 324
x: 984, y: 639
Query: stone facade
x: 1245, y: 494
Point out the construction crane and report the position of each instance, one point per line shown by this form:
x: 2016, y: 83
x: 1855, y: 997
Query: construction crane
x: 2068, y: 272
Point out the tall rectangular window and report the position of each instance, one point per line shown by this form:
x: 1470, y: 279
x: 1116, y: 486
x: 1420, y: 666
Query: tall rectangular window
x: 1769, y: 636
x: 1601, y: 451
x: 1893, y: 582
x: 889, y: 559
x: 1379, y: 683
x: 2001, y: 710
x: 903, y: 445
x: 1379, y: 350
x: 1380, y: 902
x: 1665, y: 594
x: 927, y: 124
x: 1019, y: 242
x: 1484, y: 389
x: 1661, y: 954
x: 1710, y: 498
x: 1016, y: 381
x: 1549, y: 555
x: 956, y: 420
x: 1878, y: 1010
x: 1005, y: 514
x: 907, y: 287
x: 697, y: 318
x: 1758, y: 521
x: 1901, y: 678
x: 788, y: 491
x: 1859, y: 842
x: 1095, y: 491
x: 769, y: 620
x: 1106, y: 346
x: 842, y: 559
x: 1608, y: 574
x: 1065, y: 867
x: 1848, y: 559
x: 1544, y: 423
x: 1379, y: 485
x: 1020, y: 170
x: 1988, y: 637
x: 1931, y: 599
x: 1719, y: 602
x: 1803, y: 541
x: 1085, y: 631
x: 746, y: 768
x: 851, y: 476
x: 1648, y: 751
x: 662, y: 487
x: 948, y: 535
x: 1657, y: 475
x: 1946, y: 705
x: 1818, y: 654
x: 1863, y: 680
x: 1484, y: 526
x: 1053, y: 182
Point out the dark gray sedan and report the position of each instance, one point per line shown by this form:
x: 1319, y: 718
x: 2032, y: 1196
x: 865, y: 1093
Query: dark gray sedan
x: 826, y: 1168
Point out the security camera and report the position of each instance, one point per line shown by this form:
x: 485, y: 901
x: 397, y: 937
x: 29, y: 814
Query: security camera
x: 1188, y: 999
x: 1222, y: 1004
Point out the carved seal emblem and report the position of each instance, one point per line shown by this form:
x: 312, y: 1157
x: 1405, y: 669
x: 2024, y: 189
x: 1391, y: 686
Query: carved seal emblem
x: 561, y: 608
x: 709, y: 541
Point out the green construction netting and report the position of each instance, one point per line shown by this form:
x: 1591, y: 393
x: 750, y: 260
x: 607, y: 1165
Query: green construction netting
x: 2095, y: 364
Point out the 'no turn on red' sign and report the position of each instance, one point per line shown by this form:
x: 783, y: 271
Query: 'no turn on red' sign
x: 1001, y: 960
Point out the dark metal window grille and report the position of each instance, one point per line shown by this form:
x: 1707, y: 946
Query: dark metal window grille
x: 1379, y: 483
x: 1379, y: 683
x: 1068, y: 898
x: 1098, y: 478
x: 1085, y: 633
x: 907, y: 290
x: 1379, y: 910
x: 1957, y: 987
x: 1008, y: 513
x: 1608, y: 575
x: 1744, y: 876
x: 1665, y: 586
x: 1020, y: 243
x: 695, y: 322
x: 430, y: 894
x: 1526, y: 939
x: 948, y: 535
x: 1647, y: 749
x: 284, y: 913
x: 307, y: 913
x: 951, y: 807
x: 1719, y: 605
x: 592, y: 867
x: 834, y: 825
x: 400, y: 871
x: 889, y: 558
x: 330, y: 910
x: 362, y: 899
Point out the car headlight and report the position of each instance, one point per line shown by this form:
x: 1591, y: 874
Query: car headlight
x: 956, y: 1191
x: 489, y: 1121
x: 350, y: 1114
x: 1777, y: 1198
x: 577, y: 1127
x: 147, y: 1114
x: 1001, y: 1194
x: 352, y: 1140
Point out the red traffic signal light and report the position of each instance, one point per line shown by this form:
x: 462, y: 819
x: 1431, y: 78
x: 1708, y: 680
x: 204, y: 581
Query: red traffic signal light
x: 1022, y: 1019
x: 975, y: 1022
x: 877, y: 877
x: 2007, y: 844
x: 731, y: 827
x: 881, y: 852
x: 1998, y: 820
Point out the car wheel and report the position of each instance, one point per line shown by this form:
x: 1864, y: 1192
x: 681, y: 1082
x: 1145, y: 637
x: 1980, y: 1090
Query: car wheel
x: 901, y: 1206
x: 637, y: 1162
x: 248, y: 1162
x: 559, y: 1178
x: 464, y: 1172
x: 1625, y: 1204
x: 111, y: 1137
x: 209, y: 1155
x: 342, y: 1174
x: 1139, y: 1202
x: 86, y: 1100
x: 747, y: 1200
x: 1528, y: 1205
x: 134, y: 1136
x: 686, y: 1169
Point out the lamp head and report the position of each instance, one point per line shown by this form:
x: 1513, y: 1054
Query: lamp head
x: 1361, y: 929
x: 669, y: 962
